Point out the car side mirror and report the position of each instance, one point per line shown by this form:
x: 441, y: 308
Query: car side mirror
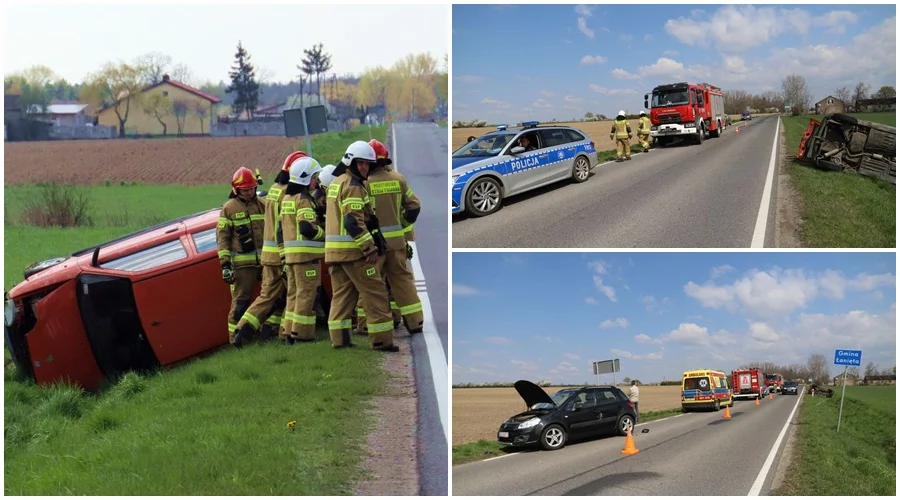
x: 516, y: 150
x: 646, y: 104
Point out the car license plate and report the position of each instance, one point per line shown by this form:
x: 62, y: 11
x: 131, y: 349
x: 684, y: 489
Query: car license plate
x: 504, y: 434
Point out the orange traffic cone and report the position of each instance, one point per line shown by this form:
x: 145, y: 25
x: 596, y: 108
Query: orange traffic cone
x: 727, y: 412
x: 770, y: 396
x: 757, y: 401
x: 629, y: 444
x: 737, y: 129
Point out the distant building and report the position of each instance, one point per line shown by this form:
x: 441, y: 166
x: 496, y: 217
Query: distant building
x: 198, y: 110
x: 874, y: 105
x: 829, y: 106
x: 62, y: 113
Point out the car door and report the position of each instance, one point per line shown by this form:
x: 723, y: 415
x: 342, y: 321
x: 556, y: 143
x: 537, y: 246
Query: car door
x: 608, y: 405
x: 560, y: 153
x: 583, y: 415
x: 526, y: 169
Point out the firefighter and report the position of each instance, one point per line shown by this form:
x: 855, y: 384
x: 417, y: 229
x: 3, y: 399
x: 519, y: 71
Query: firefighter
x: 353, y: 244
x: 621, y: 131
x: 397, y: 208
x: 239, y: 239
x: 273, y: 292
x: 644, y: 131
x: 304, y: 248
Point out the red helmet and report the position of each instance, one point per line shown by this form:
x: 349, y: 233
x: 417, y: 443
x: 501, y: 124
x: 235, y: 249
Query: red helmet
x: 290, y: 159
x: 381, y: 151
x: 243, y: 179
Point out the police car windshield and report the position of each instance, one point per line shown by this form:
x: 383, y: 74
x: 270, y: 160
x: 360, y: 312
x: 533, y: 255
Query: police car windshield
x: 484, y: 146
x: 661, y: 99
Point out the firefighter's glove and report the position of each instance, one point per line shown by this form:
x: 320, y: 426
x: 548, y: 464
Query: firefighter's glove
x: 630, y: 136
x: 308, y: 230
x: 228, y: 273
x: 612, y: 136
x: 409, y: 251
x: 245, y: 238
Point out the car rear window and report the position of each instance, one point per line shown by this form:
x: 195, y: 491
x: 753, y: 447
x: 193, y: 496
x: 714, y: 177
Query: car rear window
x: 150, y: 258
x: 575, y: 136
x: 701, y: 383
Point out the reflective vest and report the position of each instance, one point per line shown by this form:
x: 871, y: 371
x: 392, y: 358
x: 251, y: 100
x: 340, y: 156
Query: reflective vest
x: 391, y: 196
x: 296, y: 208
x: 644, y: 125
x: 273, y: 248
x: 237, y: 213
x: 621, y: 129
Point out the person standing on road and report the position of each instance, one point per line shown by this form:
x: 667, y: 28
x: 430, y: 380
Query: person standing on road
x: 633, y: 397
x: 621, y: 132
x: 644, y: 131
x: 353, y: 244
x: 304, y: 248
x: 239, y: 239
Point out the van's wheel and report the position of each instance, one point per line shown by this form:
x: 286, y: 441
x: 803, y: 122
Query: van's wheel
x: 553, y: 437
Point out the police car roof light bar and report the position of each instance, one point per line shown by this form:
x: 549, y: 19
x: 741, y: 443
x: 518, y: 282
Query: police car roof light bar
x: 502, y: 126
x: 530, y: 124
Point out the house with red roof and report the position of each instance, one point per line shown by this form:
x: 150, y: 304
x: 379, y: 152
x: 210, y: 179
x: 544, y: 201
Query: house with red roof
x: 169, y: 107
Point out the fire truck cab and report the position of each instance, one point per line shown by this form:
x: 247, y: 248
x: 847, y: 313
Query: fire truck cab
x: 685, y: 110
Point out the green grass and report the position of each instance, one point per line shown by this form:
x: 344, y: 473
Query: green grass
x: 860, y: 460
x: 610, y: 155
x: 841, y: 210
x: 480, y: 450
x: 330, y: 147
x: 442, y: 124
x: 215, y: 426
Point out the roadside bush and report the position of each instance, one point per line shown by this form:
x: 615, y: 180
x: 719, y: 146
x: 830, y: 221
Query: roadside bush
x: 58, y: 206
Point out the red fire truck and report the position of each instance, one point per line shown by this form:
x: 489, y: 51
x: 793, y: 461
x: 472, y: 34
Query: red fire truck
x: 775, y: 382
x: 749, y: 383
x: 685, y: 110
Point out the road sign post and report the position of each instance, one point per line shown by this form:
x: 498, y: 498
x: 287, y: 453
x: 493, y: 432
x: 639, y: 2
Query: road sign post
x: 846, y: 359
x: 608, y: 366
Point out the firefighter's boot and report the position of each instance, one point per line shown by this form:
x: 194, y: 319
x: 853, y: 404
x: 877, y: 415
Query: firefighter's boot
x: 244, y: 335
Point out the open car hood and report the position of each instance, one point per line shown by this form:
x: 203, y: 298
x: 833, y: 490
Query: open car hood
x: 532, y: 394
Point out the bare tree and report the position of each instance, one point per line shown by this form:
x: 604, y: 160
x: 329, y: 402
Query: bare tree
x: 180, y: 110
x: 796, y: 93
x: 871, y: 369
x: 843, y: 94
x: 200, y: 112
x: 818, y: 367
x: 153, y: 65
x: 860, y: 92
x: 180, y: 72
x: 853, y: 371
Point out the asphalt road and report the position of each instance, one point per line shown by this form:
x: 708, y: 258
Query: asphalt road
x: 693, y: 454
x: 684, y: 196
x: 419, y: 151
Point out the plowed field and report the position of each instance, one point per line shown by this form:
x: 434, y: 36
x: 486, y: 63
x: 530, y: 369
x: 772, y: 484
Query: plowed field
x: 192, y: 161
x: 478, y: 412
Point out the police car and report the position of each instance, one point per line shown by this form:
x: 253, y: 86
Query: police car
x: 510, y: 161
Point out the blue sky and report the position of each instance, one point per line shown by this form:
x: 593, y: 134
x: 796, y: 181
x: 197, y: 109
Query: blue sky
x: 539, y: 62
x: 78, y: 39
x: 547, y: 316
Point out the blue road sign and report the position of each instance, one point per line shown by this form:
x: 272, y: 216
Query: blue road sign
x: 847, y: 358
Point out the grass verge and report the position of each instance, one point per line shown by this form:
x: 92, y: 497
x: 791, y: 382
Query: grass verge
x: 480, y: 450
x: 841, y: 210
x: 610, y: 155
x: 860, y: 460
x: 215, y: 426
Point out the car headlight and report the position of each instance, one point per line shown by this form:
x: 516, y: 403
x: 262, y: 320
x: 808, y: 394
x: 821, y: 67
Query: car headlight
x: 528, y: 424
x: 9, y: 312
x: 453, y: 179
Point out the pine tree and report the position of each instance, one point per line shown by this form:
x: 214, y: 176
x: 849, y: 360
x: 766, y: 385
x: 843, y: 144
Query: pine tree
x: 243, y: 83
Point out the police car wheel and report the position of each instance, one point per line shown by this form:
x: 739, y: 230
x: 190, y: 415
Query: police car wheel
x: 581, y: 170
x: 483, y: 197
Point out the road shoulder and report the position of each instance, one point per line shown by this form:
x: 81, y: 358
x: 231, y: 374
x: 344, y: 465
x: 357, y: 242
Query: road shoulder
x: 788, y: 222
x: 787, y: 456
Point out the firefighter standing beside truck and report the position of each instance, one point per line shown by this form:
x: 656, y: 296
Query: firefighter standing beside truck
x: 621, y: 132
x: 353, y: 244
x: 239, y: 239
x: 304, y: 248
x: 644, y: 131
x: 273, y: 293
x: 397, y: 207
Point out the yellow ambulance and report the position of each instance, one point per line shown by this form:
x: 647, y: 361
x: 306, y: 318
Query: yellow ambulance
x: 705, y: 389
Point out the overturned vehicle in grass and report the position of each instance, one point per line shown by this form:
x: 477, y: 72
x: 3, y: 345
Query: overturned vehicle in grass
x: 147, y: 300
x: 842, y: 142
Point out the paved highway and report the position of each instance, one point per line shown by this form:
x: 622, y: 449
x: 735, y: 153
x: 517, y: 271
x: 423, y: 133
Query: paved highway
x: 693, y: 454
x: 420, y: 153
x: 718, y: 194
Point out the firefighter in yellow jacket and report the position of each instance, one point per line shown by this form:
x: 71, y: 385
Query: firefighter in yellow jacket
x: 353, y: 244
x: 304, y: 249
x: 273, y: 294
x: 621, y: 131
x: 644, y: 131
x: 239, y: 239
x: 397, y: 208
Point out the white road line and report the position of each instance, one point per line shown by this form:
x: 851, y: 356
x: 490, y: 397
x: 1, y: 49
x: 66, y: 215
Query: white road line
x: 433, y: 343
x: 762, y: 218
x: 767, y: 465
x: 501, y: 456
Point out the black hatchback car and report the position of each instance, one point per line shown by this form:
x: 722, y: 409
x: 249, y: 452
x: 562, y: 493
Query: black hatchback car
x: 790, y: 387
x: 578, y: 412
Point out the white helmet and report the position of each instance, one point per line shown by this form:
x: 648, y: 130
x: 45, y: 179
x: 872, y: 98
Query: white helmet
x: 359, y: 149
x: 303, y: 169
x: 326, y: 176
x: 643, y: 111
x: 621, y: 112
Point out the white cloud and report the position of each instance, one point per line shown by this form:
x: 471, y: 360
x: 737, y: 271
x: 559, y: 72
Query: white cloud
x: 591, y: 300
x: 670, y: 52
x: 464, y: 290
x: 479, y: 353
x: 495, y: 103
x: 648, y: 38
x: 643, y: 338
x: 582, y: 27
x: 599, y: 269
x: 587, y: 60
x: 498, y: 340
x: 571, y: 356
x: 547, y: 93
x: 653, y: 356
x: 626, y: 38
x: 669, y: 69
x: 566, y: 367
x: 468, y: 78
x: 528, y: 366
x: 835, y: 21
x: 616, y: 323
x: 621, y: 74
x: 720, y: 271
x: 584, y: 10
x: 527, y: 109
x: 688, y: 334
x: 540, y: 103
x: 603, y: 90
x: 764, y: 333
x: 734, y: 29
x: 653, y: 305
